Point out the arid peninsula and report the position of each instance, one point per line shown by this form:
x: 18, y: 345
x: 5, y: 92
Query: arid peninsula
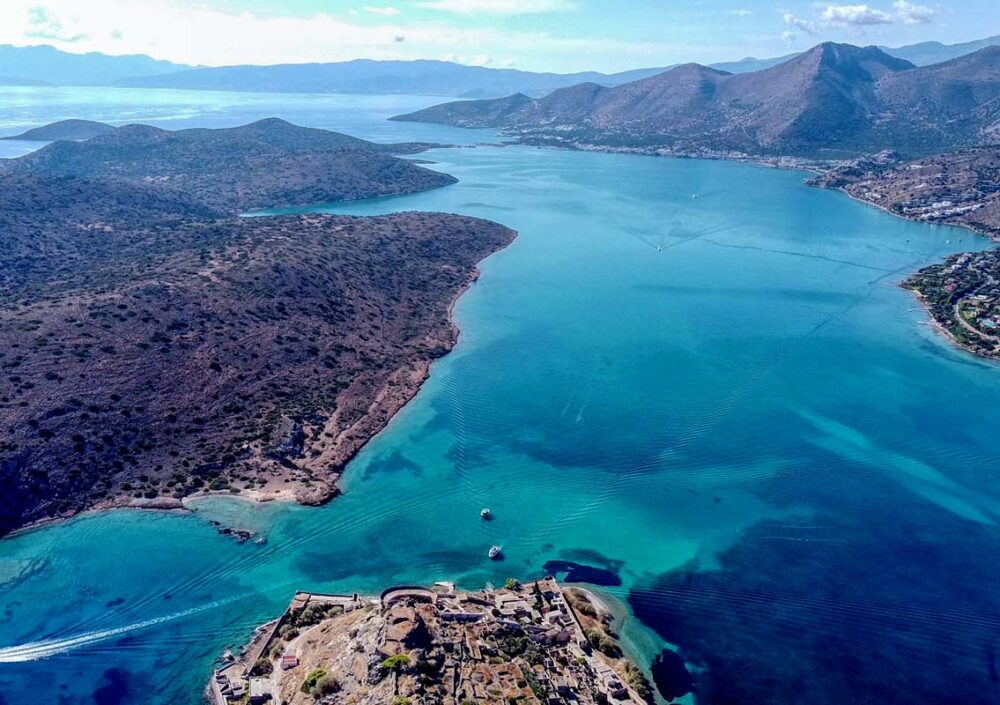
x: 156, y: 345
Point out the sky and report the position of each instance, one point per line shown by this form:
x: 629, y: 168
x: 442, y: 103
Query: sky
x: 535, y: 35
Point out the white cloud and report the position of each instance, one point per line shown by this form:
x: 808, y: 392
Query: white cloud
x: 854, y: 16
x: 45, y: 26
x: 804, y: 25
x: 909, y: 13
x: 498, y: 7
x: 191, y: 31
x: 788, y: 36
x: 859, y: 16
x: 383, y: 11
x: 741, y: 13
x: 477, y: 60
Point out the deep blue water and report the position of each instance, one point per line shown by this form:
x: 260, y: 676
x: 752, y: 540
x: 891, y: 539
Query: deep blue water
x: 722, y: 410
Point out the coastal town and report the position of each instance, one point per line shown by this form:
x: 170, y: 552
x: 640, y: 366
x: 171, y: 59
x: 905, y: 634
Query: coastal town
x: 958, y: 188
x: 963, y: 296
x: 530, y: 644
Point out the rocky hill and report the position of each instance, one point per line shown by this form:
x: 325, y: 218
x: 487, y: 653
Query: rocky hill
x: 264, y: 164
x: 153, y: 346
x: 833, y: 100
x: 530, y: 644
x: 956, y: 188
x: 64, y: 130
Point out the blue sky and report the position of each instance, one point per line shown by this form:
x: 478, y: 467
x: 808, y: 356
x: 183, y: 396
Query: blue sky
x: 538, y: 35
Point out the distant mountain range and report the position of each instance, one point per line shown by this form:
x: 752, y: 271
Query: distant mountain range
x: 922, y: 54
x: 18, y: 81
x: 44, y: 65
x: 444, y: 78
x: 833, y: 100
x: 926, y: 53
x: 366, y: 76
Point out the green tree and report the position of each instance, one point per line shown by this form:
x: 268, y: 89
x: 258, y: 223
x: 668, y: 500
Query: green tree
x: 312, y: 679
x: 396, y: 663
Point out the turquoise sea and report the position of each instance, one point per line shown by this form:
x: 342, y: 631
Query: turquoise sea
x: 721, y: 410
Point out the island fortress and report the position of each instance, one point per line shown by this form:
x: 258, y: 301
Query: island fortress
x: 522, y: 644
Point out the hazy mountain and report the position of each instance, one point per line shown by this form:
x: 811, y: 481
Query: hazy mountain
x: 18, y: 81
x: 751, y: 63
x: 926, y: 53
x: 450, y: 79
x: 922, y: 54
x: 45, y: 65
x: 367, y: 76
x: 833, y: 97
x: 64, y: 130
x: 48, y: 65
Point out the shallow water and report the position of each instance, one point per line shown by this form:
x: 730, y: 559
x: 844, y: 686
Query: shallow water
x: 721, y: 408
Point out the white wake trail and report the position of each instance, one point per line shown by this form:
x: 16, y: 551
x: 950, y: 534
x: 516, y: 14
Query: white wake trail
x: 37, y: 650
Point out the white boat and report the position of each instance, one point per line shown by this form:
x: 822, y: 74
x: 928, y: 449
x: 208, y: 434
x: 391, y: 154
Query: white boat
x: 495, y: 552
x: 485, y: 513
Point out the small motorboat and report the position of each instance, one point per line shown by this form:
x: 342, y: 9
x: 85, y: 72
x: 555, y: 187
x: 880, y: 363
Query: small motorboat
x: 494, y: 552
x: 485, y: 513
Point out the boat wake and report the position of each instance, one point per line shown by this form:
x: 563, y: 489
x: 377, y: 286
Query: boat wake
x: 46, y: 648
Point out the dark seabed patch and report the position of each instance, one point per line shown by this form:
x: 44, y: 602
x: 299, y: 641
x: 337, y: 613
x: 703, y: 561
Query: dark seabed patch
x: 467, y: 454
x: 394, y: 462
x: 580, y: 573
x: 115, y: 687
x: 670, y: 675
x: 589, y: 555
x: 856, y: 613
